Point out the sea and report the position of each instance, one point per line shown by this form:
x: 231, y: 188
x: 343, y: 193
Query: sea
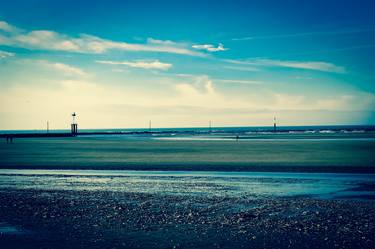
x: 233, y: 130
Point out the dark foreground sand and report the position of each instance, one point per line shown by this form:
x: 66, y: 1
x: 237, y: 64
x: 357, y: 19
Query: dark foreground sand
x: 95, y: 219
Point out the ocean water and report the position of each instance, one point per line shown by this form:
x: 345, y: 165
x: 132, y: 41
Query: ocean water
x: 357, y: 132
x: 322, y: 129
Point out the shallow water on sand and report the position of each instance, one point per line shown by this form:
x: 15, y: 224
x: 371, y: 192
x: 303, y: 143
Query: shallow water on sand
x: 7, y: 229
x: 256, y: 184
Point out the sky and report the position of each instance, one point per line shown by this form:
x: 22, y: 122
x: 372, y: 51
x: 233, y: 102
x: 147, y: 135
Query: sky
x: 119, y: 64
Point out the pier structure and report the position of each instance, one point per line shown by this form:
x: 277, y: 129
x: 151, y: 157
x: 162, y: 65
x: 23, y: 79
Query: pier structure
x: 74, y: 125
x: 10, y: 137
x: 274, y: 124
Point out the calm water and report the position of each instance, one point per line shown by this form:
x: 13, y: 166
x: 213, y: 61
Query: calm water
x: 256, y: 184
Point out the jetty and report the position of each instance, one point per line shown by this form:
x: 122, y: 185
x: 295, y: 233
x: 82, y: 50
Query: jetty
x: 9, y: 137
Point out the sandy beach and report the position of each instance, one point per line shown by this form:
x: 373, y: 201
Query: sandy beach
x: 112, y: 192
x: 316, y: 153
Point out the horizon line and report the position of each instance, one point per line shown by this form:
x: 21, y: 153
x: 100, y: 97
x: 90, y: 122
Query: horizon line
x: 195, y: 127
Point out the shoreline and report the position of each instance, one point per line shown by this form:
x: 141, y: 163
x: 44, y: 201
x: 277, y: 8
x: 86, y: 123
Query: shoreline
x: 214, y: 167
x: 98, y: 172
x: 207, y: 183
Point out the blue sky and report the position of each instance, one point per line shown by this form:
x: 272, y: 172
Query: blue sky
x: 122, y: 63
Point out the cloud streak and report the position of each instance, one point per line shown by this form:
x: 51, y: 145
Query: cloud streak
x: 6, y: 27
x: 306, y: 65
x: 217, y: 80
x: 69, y: 70
x: 57, y: 67
x: 305, y: 34
x: 155, y: 64
x: 246, y: 82
x: 210, y: 47
x: 4, y: 54
x: 51, y: 40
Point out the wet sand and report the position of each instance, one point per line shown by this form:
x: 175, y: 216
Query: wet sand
x: 121, y: 209
x: 201, y: 183
x: 102, y: 219
x: 297, y: 155
x: 59, y: 209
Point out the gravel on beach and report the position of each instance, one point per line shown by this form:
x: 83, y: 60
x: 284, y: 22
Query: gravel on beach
x: 105, y: 219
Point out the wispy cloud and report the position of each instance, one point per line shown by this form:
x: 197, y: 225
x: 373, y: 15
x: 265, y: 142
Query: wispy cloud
x: 242, y: 68
x: 307, y: 65
x: 217, y: 80
x: 4, y: 26
x: 247, y: 82
x: 200, y: 87
x: 4, y: 54
x: 67, y: 69
x: 155, y: 64
x: 305, y: 34
x: 311, y: 65
x: 210, y: 47
x: 162, y: 42
x: 51, y: 40
x: 62, y: 68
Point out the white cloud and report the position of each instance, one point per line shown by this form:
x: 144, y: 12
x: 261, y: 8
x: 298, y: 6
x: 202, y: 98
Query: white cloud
x: 161, y: 42
x: 56, y: 67
x: 155, y: 64
x: 307, y: 65
x: 210, y: 47
x: 70, y: 70
x: 51, y: 40
x: 216, y: 80
x: 198, y: 91
x: 4, y: 26
x: 4, y: 54
x: 311, y: 65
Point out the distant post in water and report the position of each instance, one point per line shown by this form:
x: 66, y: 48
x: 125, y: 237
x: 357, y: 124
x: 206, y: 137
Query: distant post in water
x: 74, y: 125
x: 274, y: 124
x: 149, y: 126
x: 47, y: 126
x: 209, y: 127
